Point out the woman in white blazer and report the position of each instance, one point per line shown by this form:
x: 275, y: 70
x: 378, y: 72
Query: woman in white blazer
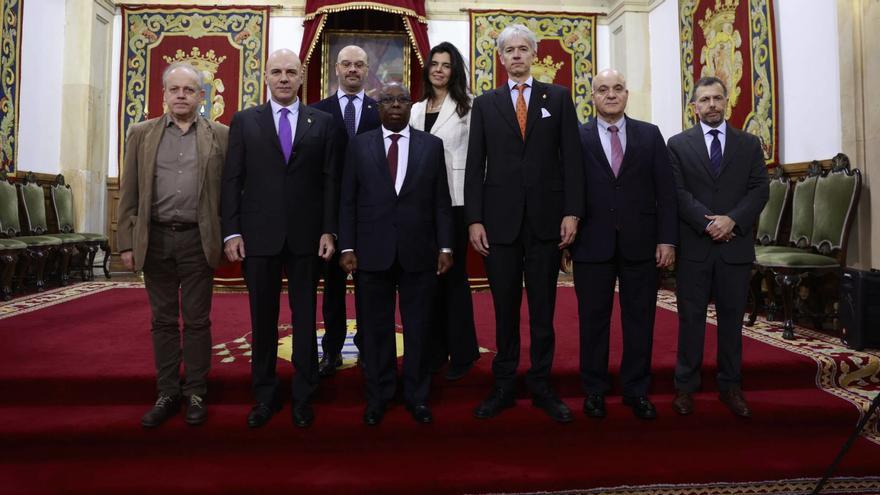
x: 445, y: 111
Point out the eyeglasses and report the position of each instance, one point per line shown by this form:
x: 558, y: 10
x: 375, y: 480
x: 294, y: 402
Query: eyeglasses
x: 390, y: 100
x: 359, y: 65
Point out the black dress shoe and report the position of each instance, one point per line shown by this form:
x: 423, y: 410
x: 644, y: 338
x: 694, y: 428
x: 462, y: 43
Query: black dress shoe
x: 302, y: 413
x: 550, y: 404
x: 641, y: 406
x: 594, y: 406
x: 165, y: 407
x: 420, y: 412
x: 373, y: 414
x: 457, y: 371
x: 328, y: 364
x: 196, y: 410
x: 499, y: 400
x: 261, y: 413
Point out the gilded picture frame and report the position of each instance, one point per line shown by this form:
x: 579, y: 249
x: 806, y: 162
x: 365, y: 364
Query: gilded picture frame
x: 388, y: 55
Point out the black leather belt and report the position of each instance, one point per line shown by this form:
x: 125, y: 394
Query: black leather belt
x: 176, y: 226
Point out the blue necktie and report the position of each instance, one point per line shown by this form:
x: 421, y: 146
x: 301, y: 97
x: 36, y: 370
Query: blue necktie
x: 349, y: 115
x: 285, y: 135
x: 715, y: 151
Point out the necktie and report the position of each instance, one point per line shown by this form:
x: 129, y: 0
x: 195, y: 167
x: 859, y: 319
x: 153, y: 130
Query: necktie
x: 285, y: 137
x: 348, y: 117
x: 616, y: 150
x: 392, y: 158
x: 715, y: 151
x: 521, y: 110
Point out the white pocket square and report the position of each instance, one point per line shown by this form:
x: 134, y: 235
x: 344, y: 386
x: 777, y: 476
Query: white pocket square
x: 544, y: 113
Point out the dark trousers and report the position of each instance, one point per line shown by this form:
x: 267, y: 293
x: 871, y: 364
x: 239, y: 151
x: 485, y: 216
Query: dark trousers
x: 333, y: 309
x: 179, y: 281
x: 537, y: 260
x: 594, y: 286
x: 263, y: 277
x: 453, y: 333
x: 696, y: 283
x: 375, y: 293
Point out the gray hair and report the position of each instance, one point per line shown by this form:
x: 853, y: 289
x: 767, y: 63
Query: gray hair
x: 516, y: 31
x: 200, y: 79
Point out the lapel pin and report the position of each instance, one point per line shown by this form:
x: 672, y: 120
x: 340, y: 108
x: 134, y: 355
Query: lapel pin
x: 309, y: 120
x: 544, y: 96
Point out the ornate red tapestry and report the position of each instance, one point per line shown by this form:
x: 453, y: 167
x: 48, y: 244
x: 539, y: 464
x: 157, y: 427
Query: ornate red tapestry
x: 566, y: 52
x: 10, y: 82
x: 228, y: 44
x: 733, y: 40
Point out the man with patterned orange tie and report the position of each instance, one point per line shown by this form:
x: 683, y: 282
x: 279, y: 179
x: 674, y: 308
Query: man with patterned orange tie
x: 523, y: 191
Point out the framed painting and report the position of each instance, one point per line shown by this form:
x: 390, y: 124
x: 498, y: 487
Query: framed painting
x: 388, y: 55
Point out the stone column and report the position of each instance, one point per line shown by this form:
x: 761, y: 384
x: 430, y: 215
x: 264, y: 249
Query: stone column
x: 860, y: 119
x: 84, y: 111
x: 631, y: 53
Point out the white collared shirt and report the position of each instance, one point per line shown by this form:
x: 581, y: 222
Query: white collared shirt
x: 722, y: 136
x: 605, y: 135
x: 358, y: 103
x: 514, y: 93
x: 402, y: 153
x: 291, y: 116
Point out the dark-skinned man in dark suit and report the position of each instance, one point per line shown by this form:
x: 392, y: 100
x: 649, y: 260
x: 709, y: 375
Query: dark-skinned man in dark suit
x: 354, y: 113
x: 629, y: 231
x: 279, y: 206
x: 721, y: 183
x: 523, y: 193
x: 395, y: 232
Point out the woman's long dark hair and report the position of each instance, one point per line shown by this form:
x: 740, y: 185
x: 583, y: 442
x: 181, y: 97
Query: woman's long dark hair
x: 457, y: 85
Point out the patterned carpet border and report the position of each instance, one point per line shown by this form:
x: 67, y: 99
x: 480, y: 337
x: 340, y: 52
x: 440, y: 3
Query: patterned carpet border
x: 800, y: 486
x: 853, y: 376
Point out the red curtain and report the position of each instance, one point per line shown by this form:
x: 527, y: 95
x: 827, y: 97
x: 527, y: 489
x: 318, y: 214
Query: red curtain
x: 412, y: 14
x: 412, y: 11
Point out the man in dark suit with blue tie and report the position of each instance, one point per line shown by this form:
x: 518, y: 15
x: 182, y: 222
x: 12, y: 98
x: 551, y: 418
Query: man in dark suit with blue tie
x: 355, y: 113
x: 629, y: 231
x: 722, y: 186
x: 279, y: 205
x: 523, y: 190
x: 395, y: 232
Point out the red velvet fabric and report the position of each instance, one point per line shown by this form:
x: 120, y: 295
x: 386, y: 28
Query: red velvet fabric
x: 77, y: 376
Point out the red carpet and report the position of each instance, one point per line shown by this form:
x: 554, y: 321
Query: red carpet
x: 78, y: 374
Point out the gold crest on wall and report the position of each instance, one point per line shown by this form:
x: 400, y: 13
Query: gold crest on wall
x: 208, y: 64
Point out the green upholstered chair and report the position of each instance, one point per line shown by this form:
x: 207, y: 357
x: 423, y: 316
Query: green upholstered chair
x: 11, y: 251
x: 38, y: 248
x: 819, y: 235
x: 33, y: 201
x: 62, y: 203
x: 768, y: 232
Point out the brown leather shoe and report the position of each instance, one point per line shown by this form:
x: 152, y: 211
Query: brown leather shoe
x: 683, y: 403
x: 734, y: 400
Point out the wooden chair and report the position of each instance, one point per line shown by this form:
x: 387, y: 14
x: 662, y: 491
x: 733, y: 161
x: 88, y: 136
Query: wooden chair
x: 768, y: 233
x: 33, y: 200
x: 822, y: 213
x: 62, y: 203
x: 38, y: 249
